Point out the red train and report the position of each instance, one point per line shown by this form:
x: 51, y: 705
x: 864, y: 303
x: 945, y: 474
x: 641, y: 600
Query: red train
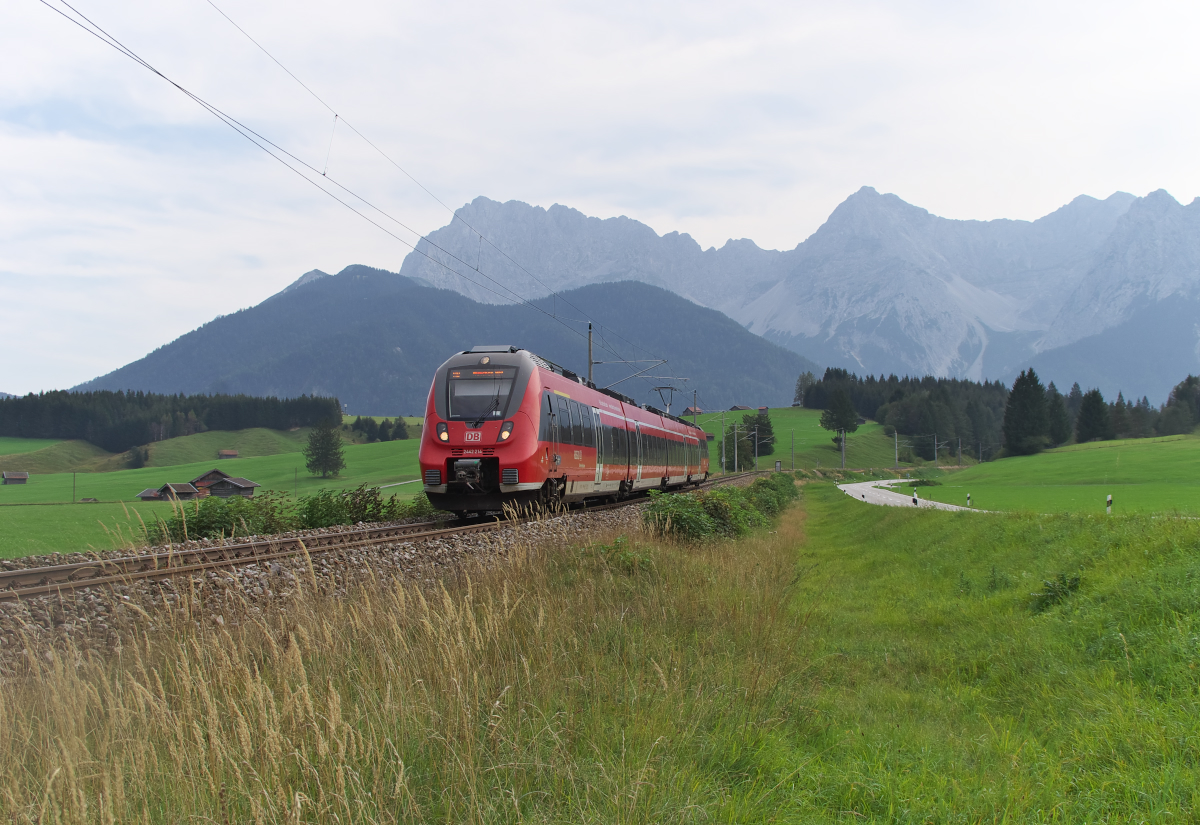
x: 505, y: 426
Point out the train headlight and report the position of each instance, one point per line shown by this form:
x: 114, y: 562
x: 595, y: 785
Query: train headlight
x: 505, y: 432
x: 443, y: 432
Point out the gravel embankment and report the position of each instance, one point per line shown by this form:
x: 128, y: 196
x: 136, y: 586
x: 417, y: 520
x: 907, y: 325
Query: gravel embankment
x: 99, y: 619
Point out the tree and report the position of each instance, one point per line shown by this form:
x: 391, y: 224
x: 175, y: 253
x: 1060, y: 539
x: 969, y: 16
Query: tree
x: 1058, y: 418
x: 399, y: 430
x: 806, y: 380
x: 1025, y: 426
x: 758, y: 427
x: 323, y: 454
x: 1074, y: 399
x: 1118, y: 417
x: 839, y: 415
x: 1093, y: 423
x: 385, y: 430
x: 745, y: 449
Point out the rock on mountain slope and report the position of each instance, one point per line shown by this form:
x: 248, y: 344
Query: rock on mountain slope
x: 884, y: 286
x: 373, y: 339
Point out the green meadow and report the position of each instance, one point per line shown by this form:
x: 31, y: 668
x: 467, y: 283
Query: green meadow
x: 20, y: 446
x: 867, y: 447
x: 1159, y: 475
x: 67, y: 527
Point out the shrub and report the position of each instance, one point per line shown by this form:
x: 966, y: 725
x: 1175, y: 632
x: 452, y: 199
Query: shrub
x: 727, y: 512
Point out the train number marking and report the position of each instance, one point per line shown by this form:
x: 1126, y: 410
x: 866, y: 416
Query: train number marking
x: 474, y: 435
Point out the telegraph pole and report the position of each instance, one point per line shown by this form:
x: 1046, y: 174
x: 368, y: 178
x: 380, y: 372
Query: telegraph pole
x: 793, y: 451
x: 590, y: 352
x: 935, y: 451
x: 693, y: 408
x: 722, y: 442
x: 843, y: 449
x: 896, y: 445
x: 735, y: 464
x: 960, y: 451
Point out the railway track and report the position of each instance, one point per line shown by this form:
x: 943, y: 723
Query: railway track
x: 51, y: 579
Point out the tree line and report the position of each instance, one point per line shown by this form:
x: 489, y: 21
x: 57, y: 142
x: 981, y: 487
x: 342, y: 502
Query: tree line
x: 118, y: 421
x: 989, y: 418
x: 1037, y: 417
x: 385, y: 430
x: 948, y: 409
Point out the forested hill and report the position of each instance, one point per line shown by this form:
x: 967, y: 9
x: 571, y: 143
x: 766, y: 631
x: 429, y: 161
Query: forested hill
x: 373, y: 339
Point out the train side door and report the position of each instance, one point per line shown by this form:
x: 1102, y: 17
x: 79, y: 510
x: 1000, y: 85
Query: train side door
x: 636, y: 450
x: 601, y: 452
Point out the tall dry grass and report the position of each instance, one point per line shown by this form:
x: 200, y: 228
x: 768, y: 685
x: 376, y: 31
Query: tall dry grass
x: 620, y: 681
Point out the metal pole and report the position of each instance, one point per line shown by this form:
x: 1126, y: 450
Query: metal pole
x: 756, y: 449
x: 960, y: 451
x: 843, y: 449
x: 935, y: 451
x: 693, y: 408
x: 896, y: 445
x: 722, y: 442
x: 793, y: 451
x: 735, y: 464
x: 589, y: 352
x: 72, y: 488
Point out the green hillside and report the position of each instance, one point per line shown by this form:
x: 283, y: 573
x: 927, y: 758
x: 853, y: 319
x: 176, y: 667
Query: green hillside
x: 18, y: 446
x: 1143, y: 476
x: 59, y: 457
x: 868, y: 447
x: 190, y: 449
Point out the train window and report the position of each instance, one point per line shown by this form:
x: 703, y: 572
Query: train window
x: 576, y: 424
x: 565, y: 433
x: 477, y: 394
x: 589, y: 426
x: 545, y: 424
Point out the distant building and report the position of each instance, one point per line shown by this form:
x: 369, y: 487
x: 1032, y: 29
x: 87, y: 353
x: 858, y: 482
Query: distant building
x: 177, y: 492
x: 763, y: 410
x: 213, y: 483
x: 223, y: 485
x: 11, y: 477
x: 693, y: 411
x: 738, y: 408
x: 233, y: 486
x: 227, y: 454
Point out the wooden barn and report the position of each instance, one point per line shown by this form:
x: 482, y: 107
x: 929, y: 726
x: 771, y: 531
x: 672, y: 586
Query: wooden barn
x: 10, y: 477
x: 222, y: 484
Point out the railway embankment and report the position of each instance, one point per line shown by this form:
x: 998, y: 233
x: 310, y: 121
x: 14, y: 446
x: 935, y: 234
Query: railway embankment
x: 100, y: 619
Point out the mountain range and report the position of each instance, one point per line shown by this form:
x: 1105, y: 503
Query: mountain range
x: 373, y: 339
x: 1103, y: 292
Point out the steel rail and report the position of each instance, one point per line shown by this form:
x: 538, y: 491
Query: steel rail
x: 49, y: 579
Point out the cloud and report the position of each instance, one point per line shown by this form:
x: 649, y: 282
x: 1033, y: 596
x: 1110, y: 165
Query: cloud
x: 128, y: 215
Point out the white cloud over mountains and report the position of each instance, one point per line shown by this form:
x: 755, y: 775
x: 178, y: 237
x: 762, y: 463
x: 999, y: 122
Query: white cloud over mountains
x: 128, y: 215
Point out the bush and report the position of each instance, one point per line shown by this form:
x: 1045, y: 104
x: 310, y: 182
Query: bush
x: 271, y: 513
x: 726, y: 512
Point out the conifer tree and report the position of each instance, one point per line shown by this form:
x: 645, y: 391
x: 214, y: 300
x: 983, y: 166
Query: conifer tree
x: 399, y: 429
x: 1059, y: 420
x: 758, y: 427
x: 839, y: 415
x: 1026, y: 428
x: 1093, y: 423
x: 323, y: 455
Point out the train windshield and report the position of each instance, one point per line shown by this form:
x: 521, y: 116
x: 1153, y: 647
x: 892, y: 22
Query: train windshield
x: 480, y: 393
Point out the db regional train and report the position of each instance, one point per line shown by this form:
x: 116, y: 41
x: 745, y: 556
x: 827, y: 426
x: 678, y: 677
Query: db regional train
x: 504, y: 426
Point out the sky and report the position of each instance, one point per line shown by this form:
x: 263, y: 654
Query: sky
x: 130, y: 215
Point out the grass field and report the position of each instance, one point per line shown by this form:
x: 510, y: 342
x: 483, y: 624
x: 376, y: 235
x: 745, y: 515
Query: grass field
x: 69, y: 528
x: 1144, y: 476
x: 867, y: 447
x: 948, y: 695
x: 854, y: 664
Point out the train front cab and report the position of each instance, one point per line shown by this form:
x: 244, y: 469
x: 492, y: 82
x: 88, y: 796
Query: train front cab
x: 479, y: 446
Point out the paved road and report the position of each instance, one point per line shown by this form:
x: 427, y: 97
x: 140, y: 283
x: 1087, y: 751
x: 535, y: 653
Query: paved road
x: 874, y: 492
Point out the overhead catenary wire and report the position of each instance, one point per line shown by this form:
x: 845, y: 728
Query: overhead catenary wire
x: 283, y: 156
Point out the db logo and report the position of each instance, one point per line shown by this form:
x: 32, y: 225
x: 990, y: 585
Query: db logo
x: 474, y: 435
